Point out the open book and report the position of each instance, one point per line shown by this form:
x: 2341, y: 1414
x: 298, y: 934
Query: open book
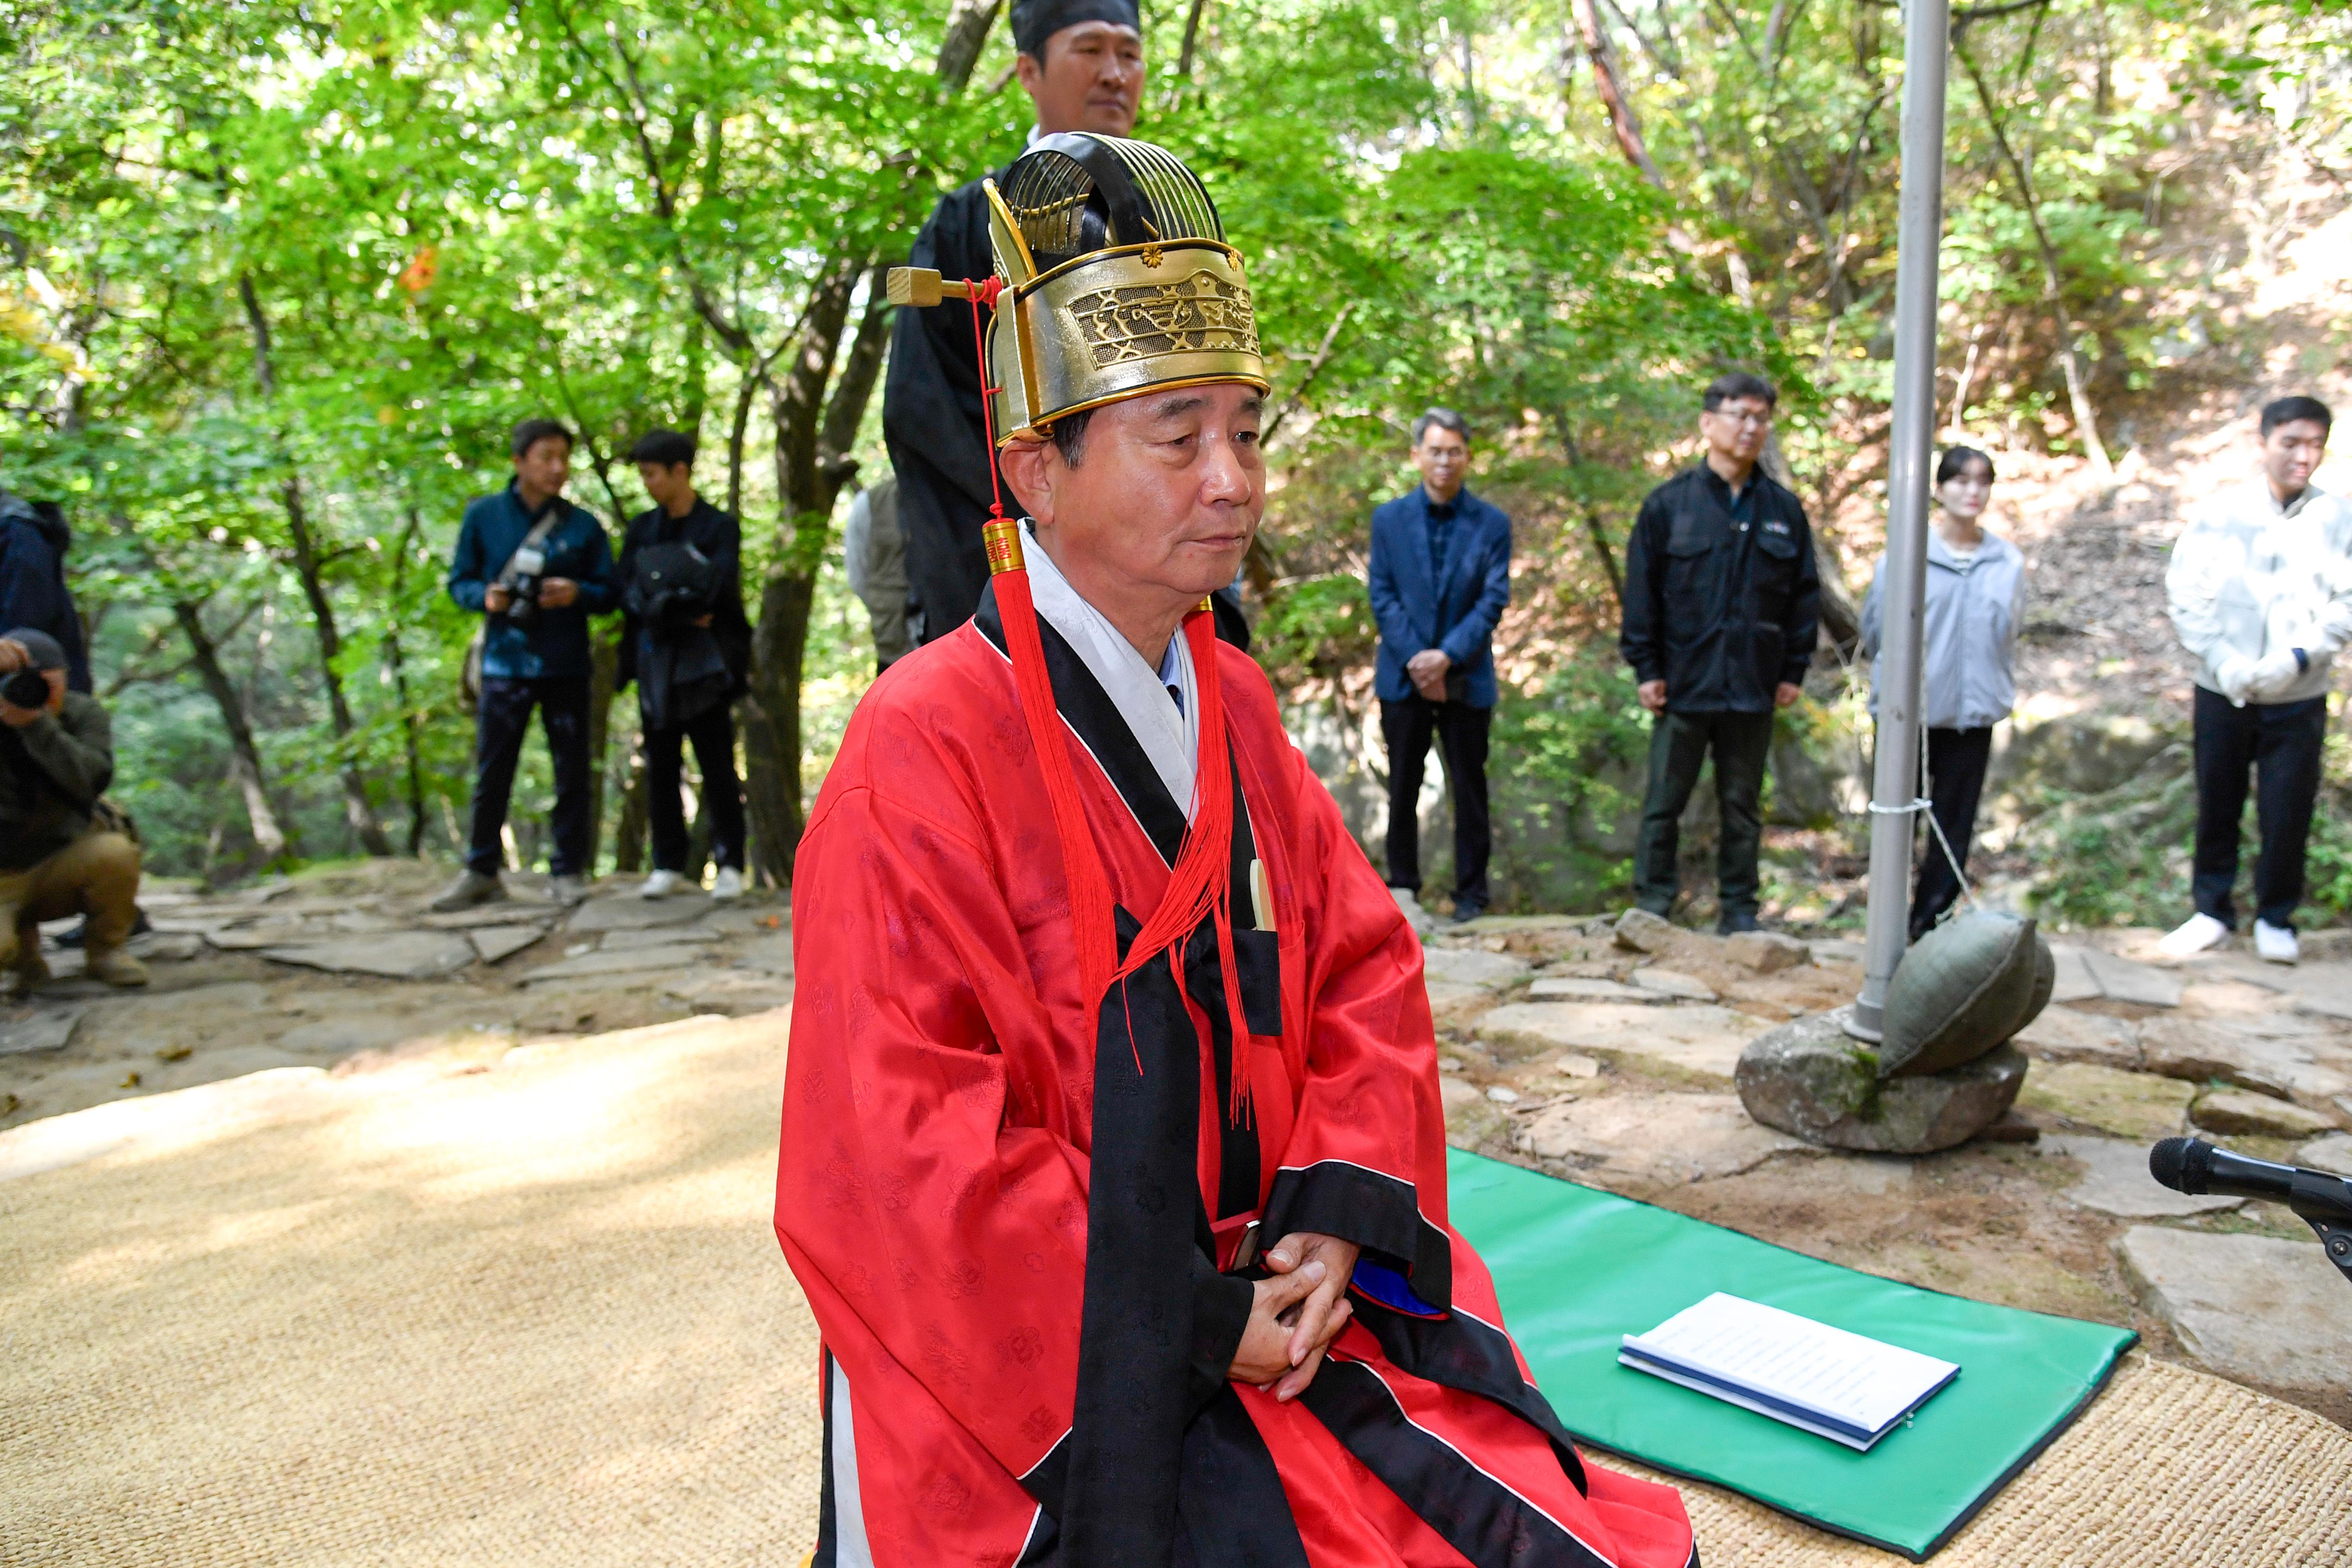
x: 1836, y: 1384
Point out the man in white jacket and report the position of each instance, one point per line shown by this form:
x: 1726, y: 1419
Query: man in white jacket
x: 2260, y: 592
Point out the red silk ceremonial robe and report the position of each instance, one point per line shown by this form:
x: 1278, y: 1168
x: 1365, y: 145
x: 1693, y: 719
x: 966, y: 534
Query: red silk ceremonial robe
x: 1020, y: 1236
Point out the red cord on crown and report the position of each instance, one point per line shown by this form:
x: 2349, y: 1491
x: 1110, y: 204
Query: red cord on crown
x: 987, y: 294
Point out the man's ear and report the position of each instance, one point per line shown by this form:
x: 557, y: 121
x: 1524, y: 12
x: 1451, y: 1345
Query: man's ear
x: 1030, y: 74
x: 1031, y: 467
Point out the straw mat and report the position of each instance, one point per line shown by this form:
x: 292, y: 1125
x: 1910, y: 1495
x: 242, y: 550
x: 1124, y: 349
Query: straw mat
x: 536, y: 1315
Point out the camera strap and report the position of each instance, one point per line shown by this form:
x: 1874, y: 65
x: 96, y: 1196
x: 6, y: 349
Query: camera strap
x: 546, y: 525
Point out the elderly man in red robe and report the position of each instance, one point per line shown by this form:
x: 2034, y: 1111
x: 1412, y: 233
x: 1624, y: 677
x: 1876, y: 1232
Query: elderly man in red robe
x: 1113, y: 1165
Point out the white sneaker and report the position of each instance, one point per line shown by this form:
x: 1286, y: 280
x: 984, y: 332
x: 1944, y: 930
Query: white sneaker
x: 2275, y: 943
x: 728, y: 884
x: 1419, y: 919
x: 2198, y: 933
x: 661, y: 884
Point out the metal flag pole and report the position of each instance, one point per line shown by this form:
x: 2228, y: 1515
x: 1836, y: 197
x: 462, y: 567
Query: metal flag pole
x: 1895, y: 799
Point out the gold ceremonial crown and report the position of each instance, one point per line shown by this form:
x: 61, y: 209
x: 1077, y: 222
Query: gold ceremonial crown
x: 1118, y: 281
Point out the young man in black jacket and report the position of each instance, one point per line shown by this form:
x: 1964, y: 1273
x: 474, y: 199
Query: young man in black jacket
x: 688, y: 645
x: 1722, y: 608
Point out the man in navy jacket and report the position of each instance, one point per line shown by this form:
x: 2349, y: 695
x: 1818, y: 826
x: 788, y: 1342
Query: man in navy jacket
x: 534, y: 654
x: 1441, y: 573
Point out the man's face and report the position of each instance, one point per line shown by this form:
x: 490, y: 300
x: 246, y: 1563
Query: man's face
x: 1092, y: 79
x: 546, y: 466
x: 2291, y: 455
x: 671, y: 485
x: 1735, y: 429
x: 1166, y: 493
x: 1444, y: 459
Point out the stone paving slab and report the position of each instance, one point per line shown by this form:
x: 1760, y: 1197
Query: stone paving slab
x: 2332, y: 1153
x: 2243, y: 1112
x: 2116, y: 1181
x: 495, y: 942
x: 2130, y: 1104
x: 675, y: 937
x: 505, y: 912
x: 396, y: 955
x: 2127, y: 980
x: 627, y: 912
x: 772, y: 954
x: 2075, y: 983
x: 25, y: 1030
x: 1558, y: 988
x: 628, y: 961
x: 1473, y: 966
x: 1672, y: 983
x: 2309, y: 1069
x: 1688, y: 1038
x: 1662, y: 1139
x: 2254, y: 1308
x: 2062, y: 1034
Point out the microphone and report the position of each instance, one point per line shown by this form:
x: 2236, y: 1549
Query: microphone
x: 2324, y: 1202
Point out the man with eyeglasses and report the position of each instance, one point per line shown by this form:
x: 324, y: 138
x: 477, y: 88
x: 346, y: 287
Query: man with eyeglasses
x: 1722, y: 608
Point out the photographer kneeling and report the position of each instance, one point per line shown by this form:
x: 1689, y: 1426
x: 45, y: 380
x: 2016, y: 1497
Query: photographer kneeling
x: 56, y: 757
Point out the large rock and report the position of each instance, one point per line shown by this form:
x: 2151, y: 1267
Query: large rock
x: 2307, y: 1068
x: 2062, y: 1034
x: 1810, y: 1078
x: 395, y: 954
x: 2116, y: 1181
x: 1639, y: 931
x: 2254, y: 1308
x: 1658, y: 1139
x: 1767, y: 952
x: 2238, y: 1111
x: 2128, y: 1105
x: 2332, y: 1153
x: 1684, y: 1039
x: 1672, y: 983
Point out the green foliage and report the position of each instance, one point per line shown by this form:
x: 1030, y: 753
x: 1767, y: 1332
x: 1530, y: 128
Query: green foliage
x: 1571, y: 761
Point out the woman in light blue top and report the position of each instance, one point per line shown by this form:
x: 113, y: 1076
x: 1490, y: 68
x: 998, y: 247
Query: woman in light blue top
x: 1976, y: 596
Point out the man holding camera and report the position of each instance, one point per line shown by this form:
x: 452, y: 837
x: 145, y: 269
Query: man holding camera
x: 56, y: 757
x: 537, y: 566
x: 687, y: 646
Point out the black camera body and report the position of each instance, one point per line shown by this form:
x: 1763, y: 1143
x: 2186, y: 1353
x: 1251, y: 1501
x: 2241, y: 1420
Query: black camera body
x: 522, y: 578
x: 26, y: 688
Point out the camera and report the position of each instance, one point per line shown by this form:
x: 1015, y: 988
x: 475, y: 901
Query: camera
x: 522, y: 578
x: 26, y: 688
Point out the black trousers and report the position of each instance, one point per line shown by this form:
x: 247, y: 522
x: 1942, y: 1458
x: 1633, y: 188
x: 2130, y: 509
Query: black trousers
x: 498, y: 728
x: 1679, y: 745
x: 1461, y: 732
x: 713, y: 734
x: 2281, y: 744
x: 1957, y: 759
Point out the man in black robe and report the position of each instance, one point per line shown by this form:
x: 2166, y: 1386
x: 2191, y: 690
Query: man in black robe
x: 1081, y: 62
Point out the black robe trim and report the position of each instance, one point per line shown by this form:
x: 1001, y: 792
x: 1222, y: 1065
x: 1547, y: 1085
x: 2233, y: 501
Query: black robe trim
x: 1231, y: 1505
x: 1479, y: 1517
x: 1467, y: 1353
x: 828, y: 1523
x: 1378, y: 1212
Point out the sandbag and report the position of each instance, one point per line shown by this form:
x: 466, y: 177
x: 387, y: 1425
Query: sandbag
x: 1963, y: 988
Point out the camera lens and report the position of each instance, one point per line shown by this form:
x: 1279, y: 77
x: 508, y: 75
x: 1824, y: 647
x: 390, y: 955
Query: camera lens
x: 26, y: 688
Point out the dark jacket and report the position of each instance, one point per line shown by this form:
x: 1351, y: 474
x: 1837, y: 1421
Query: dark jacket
x: 51, y: 772
x: 1722, y: 611
x: 33, y: 593
x: 1456, y: 612
x: 718, y: 535
x: 577, y: 548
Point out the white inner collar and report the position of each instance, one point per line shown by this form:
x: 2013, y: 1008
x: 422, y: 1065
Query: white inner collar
x: 1171, y: 740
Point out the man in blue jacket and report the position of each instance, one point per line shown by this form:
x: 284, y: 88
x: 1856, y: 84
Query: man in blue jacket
x: 537, y: 566
x: 1441, y: 573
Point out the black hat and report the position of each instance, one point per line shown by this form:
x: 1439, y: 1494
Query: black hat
x: 39, y: 646
x: 1034, y: 21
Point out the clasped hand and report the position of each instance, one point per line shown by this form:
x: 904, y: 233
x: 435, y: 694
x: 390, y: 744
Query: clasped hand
x: 1427, y: 671
x: 1297, y: 1314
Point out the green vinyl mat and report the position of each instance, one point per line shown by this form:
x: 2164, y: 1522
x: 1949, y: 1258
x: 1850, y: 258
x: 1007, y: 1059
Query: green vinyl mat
x: 1576, y: 1270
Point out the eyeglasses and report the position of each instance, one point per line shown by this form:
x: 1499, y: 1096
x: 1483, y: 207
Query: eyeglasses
x: 1745, y: 421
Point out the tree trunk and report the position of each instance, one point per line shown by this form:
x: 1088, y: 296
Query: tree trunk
x: 966, y: 33
x: 358, y: 810
x: 244, y: 757
x: 2078, y: 389
x: 1609, y: 82
x: 629, y: 836
x: 604, y: 674
x: 411, y: 728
